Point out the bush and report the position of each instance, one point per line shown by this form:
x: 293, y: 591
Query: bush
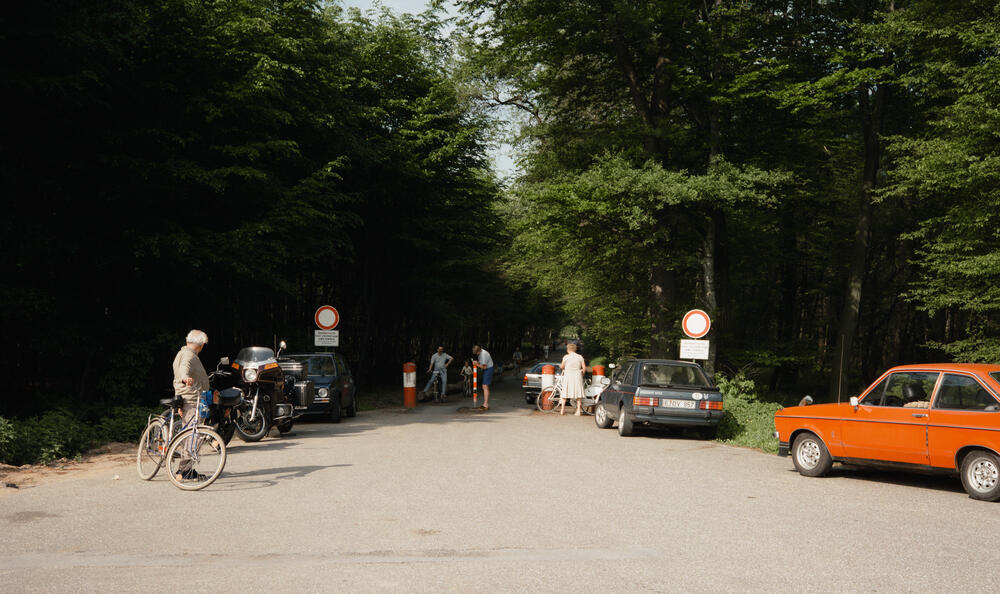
x: 746, y: 421
x: 61, y: 434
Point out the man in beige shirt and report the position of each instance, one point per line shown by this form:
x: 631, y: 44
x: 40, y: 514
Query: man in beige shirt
x: 190, y: 380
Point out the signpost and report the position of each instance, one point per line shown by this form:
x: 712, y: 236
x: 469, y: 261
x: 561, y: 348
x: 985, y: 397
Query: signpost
x: 327, y: 318
x: 695, y: 324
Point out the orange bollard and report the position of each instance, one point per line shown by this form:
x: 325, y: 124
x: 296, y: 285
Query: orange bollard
x: 475, y: 384
x: 548, y: 379
x: 597, y: 371
x: 410, y: 385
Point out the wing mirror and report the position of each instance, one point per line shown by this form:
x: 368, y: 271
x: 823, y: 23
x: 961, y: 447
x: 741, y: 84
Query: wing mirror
x: 282, y: 345
x: 611, y: 366
x: 806, y: 401
x: 854, y: 402
x: 224, y: 361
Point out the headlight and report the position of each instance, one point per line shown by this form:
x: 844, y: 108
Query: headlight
x: 323, y: 393
x: 250, y: 375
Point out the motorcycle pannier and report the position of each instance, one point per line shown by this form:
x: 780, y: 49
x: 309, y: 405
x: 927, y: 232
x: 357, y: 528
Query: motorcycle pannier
x: 304, y: 393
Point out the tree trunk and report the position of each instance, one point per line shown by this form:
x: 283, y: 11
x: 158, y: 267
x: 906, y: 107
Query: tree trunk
x: 662, y: 291
x: 870, y: 104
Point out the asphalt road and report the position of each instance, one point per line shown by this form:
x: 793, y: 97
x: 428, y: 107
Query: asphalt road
x: 434, y: 499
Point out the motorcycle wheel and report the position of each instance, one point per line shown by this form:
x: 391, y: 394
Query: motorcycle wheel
x: 284, y: 426
x: 255, y: 430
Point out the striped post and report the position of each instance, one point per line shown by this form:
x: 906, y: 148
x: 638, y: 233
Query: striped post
x: 475, y: 384
x: 410, y: 385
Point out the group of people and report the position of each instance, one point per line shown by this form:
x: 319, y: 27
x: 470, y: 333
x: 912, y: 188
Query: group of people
x: 438, y: 368
x: 573, y: 367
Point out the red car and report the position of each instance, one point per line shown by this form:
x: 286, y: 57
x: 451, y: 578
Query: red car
x: 941, y: 417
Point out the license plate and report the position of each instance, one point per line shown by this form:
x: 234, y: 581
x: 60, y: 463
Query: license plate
x: 668, y: 403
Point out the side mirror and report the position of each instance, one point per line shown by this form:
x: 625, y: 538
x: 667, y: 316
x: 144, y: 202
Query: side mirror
x: 224, y: 361
x: 282, y: 345
x: 611, y: 366
x: 854, y: 402
x: 806, y: 401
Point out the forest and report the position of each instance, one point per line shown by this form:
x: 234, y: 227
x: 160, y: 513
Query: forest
x: 821, y: 176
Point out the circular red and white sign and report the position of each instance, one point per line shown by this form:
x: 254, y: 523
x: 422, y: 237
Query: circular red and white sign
x: 696, y: 323
x: 327, y: 317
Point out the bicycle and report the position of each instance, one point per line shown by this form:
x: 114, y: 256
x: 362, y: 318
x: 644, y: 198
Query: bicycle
x: 548, y: 397
x: 467, y: 386
x: 167, y: 440
x: 434, y: 391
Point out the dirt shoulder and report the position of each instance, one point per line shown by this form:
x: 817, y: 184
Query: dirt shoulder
x: 111, y: 458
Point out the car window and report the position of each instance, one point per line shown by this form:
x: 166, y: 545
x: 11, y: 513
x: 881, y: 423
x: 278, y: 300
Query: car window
x: 624, y: 375
x: 663, y: 374
x: 910, y: 389
x: 996, y: 375
x: 961, y: 392
x: 318, y: 366
x: 342, y: 364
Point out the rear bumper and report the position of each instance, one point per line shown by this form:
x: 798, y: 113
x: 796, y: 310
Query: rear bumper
x: 699, y: 418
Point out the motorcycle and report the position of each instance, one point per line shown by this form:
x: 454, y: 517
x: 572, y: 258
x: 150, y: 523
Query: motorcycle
x: 224, y: 413
x: 270, y: 398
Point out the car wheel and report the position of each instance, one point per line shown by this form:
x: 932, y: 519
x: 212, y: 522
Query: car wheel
x: 981, y: 475
x: 810, y: 456
x: 335, y: 408
x: 625, y: 428
x: 352, y: 408
x: 601, y: 417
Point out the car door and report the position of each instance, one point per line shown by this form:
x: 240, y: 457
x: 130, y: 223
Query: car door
x: 345, y: 381
x: 614, y: 391
x: 964, y: 412
x: 627, y: 387
x: 890, y: 423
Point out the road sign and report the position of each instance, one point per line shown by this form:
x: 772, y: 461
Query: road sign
x: 696, y: 323
x: 327, y: 317
x: 327, y: 337
x: 694, y: 349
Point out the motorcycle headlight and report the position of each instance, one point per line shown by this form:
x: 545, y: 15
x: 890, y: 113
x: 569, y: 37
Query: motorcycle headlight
x: 323, y: 393
x: 250, y: 375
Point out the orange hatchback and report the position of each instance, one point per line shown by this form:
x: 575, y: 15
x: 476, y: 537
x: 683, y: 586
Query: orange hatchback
x: 942, y: 417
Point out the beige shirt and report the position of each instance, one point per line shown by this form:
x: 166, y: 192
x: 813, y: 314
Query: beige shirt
x: 187, y: 364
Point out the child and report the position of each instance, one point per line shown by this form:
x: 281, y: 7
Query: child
x: 467, y: 377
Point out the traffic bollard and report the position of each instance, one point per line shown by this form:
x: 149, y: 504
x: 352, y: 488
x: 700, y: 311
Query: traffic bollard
x: 410, y: 385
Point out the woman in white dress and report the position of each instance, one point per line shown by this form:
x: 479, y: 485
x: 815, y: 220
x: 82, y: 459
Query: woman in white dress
x: 573, y: 367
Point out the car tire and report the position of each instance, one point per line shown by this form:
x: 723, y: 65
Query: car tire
x: 335, y: 408
x: 810, y: 456
x: 981, y: 475
x: 601, y: 417
x: 352, y: 408
x: 625, y: 427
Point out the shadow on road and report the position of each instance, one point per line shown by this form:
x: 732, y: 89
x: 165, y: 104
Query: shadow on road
x: 255, y: 479
x: 938, y: 482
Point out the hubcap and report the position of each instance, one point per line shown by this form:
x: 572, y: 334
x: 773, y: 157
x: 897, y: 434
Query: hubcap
x: 984, y: 475
x: 601, y: 415
x: 809, y: 454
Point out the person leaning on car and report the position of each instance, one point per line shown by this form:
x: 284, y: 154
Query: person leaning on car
x: 190, y: 378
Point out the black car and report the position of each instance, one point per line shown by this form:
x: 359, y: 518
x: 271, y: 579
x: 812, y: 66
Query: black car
x: 660, y: 392
x: 335, y: 392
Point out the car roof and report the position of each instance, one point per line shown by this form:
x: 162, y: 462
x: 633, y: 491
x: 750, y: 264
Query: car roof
x: 668, y: 361
x: 983, y: 368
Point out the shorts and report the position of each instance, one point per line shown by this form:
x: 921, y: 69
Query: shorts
x: 487, y: 376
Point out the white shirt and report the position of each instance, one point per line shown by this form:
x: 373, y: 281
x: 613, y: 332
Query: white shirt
x: 485, y: 359
x: 439, y: 360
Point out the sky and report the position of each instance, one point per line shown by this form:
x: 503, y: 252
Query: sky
x: 503, y: 161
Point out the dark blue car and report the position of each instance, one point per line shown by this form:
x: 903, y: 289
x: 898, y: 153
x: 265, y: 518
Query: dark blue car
x: 335, y: 391
x: 659, y: 392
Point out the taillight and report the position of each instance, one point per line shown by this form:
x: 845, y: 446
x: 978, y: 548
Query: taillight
x: 710, y: 405
x: 644, y: 401
x: 524, y: 382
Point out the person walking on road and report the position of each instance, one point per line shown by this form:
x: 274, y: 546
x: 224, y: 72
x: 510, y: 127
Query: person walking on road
x: 573, y: 367
x: 517, y: 357
x: 485, y: 362
x: 438, y: 367
x: 190, y: 380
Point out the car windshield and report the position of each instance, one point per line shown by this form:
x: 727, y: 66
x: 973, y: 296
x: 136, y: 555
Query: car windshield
x: 538, y: 368
x: 670, y: 374
x: 254, y: 355
x: 317, y: 365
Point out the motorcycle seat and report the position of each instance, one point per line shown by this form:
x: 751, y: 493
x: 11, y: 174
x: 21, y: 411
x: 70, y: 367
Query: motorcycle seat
x: 174, y: 402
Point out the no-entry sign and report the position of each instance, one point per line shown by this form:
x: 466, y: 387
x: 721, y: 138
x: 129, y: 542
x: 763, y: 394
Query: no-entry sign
x: 696, y: 323
x: 327, y: 317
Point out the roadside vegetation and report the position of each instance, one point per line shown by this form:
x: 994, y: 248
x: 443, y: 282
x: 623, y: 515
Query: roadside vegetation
x: 58, y: 434
x: 747, y: 420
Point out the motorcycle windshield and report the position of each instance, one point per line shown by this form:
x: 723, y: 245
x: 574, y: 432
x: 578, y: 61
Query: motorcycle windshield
x: 254, y: 355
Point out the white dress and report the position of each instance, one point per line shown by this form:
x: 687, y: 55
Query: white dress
x: 573, y: 368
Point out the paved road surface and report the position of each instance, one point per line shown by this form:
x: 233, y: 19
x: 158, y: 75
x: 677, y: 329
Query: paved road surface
x: 433, y: 500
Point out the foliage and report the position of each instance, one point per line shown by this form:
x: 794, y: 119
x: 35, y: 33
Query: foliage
x: 746, y: 421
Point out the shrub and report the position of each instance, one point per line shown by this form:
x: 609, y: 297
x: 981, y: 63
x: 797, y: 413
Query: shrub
x: 124, y: 423
x: 746, y: 421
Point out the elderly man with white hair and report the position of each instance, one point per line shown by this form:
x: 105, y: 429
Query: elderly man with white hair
x: 190, y: 380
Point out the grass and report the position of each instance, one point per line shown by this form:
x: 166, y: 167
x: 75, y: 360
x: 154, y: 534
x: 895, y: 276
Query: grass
x: 747, y: 421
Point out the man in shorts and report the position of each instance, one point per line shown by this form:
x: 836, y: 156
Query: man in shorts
x: 485, y: 362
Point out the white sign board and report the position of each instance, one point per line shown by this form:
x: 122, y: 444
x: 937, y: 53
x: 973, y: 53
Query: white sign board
x: 694, y: 349
x: 327, y: 337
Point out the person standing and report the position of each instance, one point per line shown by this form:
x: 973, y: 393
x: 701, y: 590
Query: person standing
x: 517, y: 357
x: 438, y: 367
x: 190, y: 380
x: 485, y: 362
x: 573, y: 367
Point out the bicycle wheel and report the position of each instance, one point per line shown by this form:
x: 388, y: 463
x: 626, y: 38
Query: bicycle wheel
x: 152, y: 446
x: 199, y: 454
x: 548, y: 399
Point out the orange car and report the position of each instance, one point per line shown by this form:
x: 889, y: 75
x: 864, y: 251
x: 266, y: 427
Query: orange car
x: 941, y: 417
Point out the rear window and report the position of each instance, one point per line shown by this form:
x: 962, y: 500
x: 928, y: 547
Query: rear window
x: 996, y: 375
x: 668, y: 374
x: 317, y: 366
